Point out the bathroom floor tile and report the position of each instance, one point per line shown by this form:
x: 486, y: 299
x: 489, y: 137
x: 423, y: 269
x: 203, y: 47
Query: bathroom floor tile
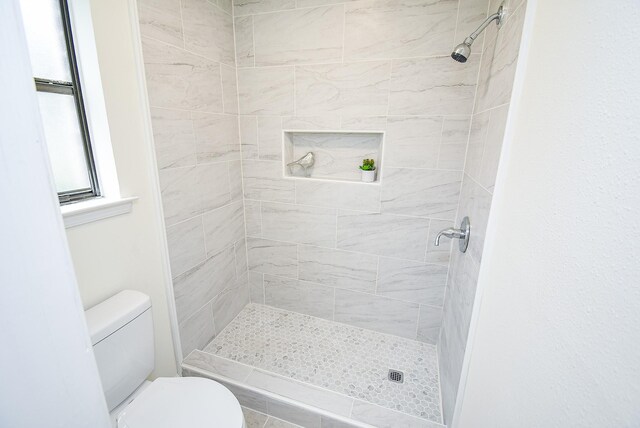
x: 335, y: 356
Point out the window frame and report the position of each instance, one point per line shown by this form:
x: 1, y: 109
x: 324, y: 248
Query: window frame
x: 74, y: 89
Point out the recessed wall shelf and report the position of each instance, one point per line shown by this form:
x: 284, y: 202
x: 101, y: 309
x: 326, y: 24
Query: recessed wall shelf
x: 337, y: 154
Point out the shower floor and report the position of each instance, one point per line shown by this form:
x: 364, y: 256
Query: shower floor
x: 346, y: 360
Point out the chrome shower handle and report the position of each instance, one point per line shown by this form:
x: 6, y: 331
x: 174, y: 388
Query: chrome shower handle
x: 462, y: 234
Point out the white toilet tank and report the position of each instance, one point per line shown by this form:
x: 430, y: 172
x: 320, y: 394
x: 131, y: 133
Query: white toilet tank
x: 121, y: 330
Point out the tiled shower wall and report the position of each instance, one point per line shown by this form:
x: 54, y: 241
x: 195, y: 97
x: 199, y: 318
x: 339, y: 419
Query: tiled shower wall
x: 497, y: 70
x: 350, y: 252
x: 188, y: 51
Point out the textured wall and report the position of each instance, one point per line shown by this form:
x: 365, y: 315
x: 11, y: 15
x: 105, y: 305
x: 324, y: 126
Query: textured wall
x: 188, y: 50
x: 359, y: 254
x: 497, y: 70
x: 556, y: 338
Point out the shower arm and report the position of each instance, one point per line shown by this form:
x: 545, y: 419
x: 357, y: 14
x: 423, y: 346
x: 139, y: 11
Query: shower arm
x: 498, y: 15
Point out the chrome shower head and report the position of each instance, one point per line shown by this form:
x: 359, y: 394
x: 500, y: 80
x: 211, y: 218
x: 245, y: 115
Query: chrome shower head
x: 463, y: 50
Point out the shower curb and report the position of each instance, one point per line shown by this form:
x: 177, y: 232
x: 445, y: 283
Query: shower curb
x: 304, y: 409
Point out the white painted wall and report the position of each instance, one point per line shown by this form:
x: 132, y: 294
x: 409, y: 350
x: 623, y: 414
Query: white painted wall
x: 49, y: 376
x: 127, y: 251
x: 557, y: 338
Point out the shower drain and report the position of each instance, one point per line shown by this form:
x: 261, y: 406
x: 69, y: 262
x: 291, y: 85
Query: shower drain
x: 396, y: 376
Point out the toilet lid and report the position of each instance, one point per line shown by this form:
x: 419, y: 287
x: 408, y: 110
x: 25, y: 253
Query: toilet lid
x: 183, y: 402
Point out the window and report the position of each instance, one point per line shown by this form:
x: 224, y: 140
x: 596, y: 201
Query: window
x: 53, y: 61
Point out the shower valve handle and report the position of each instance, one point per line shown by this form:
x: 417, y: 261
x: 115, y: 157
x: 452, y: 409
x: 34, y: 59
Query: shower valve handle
x: 462, y: 234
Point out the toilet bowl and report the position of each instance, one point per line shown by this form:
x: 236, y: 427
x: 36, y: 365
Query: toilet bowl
x: 182, y: 402
x: 121, y: 330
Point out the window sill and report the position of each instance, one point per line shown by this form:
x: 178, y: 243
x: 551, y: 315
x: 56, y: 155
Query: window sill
x: 94, y: 210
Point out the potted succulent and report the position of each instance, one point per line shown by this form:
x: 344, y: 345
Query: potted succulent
x: 368, y: 170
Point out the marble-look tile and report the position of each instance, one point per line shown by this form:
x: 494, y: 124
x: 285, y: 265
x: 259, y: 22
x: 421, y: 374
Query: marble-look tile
x: 349, y: 89
x: 326, y: 400
x: 186, y: 245
x: 477, y: 138
x: 204, y: 282
x: 499, y: 62
x: 197, y: 330
x: 180, y: 195
x: 376, y: 313
x: 364, y: 123
x: 429, y: 323
x: 223, y: 227
x: 385, y: 418
x: 160, y: 20
x: 247, y: 397
x: 235, y: 180
x: 241, y: 257
x: 253, y: 419
x: 311, y: 3
x: 226, y: 5
x: 273, y: 257
x: 337, y: 268
x: 253, y: 217
x: 290, y: 416
x: 249, y: 7
x: 413, y: 141
x: 327, y: 422
x: 266, y: 91
x: 300, y: 224
x: 249, y: 137
x: 350, y: 196
x: 433, y: 86
x: 440, y: 254
x: 213, y: 185
x: 217, y: 137
x: 245, y: 53
x: 221, y: 366
x: 457, y: 312
x: 299, y: 296
x: 229, y: 89
x: 383, y: 234
x: 411, y: 281
x: 279, y: 423
x: 453, y: 146
x: 264, y: 180
x: 337, y: 156
x: 300, y: 36
x: 391, y: 29
x: 228, y: 303
x: 173, y: 138
x: 421, y: 192
x: 208, y: 31
x: 493, y: 147
x: 270, y: 137
x: 179, y: 79
x: 256, y: 287
x: 310, y: 123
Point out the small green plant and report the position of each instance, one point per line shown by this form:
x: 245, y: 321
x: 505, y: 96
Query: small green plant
x: 367, y: 165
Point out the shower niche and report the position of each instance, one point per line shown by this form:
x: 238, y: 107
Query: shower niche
x: 335, y: 155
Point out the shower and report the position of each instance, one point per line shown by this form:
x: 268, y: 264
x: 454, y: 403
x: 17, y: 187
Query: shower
x: 463, y: 50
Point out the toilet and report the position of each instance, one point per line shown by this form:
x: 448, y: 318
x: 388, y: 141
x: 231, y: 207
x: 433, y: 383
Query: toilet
x: 121, y: 330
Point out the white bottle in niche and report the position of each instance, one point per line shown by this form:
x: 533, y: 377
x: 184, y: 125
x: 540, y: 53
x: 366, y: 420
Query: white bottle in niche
x: 368, y: 171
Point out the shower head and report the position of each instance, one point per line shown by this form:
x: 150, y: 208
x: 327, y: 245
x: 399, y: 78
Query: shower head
x: 463, y: 50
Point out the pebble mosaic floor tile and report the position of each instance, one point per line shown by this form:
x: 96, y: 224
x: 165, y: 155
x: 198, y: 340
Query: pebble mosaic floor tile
x: 335, y: 356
